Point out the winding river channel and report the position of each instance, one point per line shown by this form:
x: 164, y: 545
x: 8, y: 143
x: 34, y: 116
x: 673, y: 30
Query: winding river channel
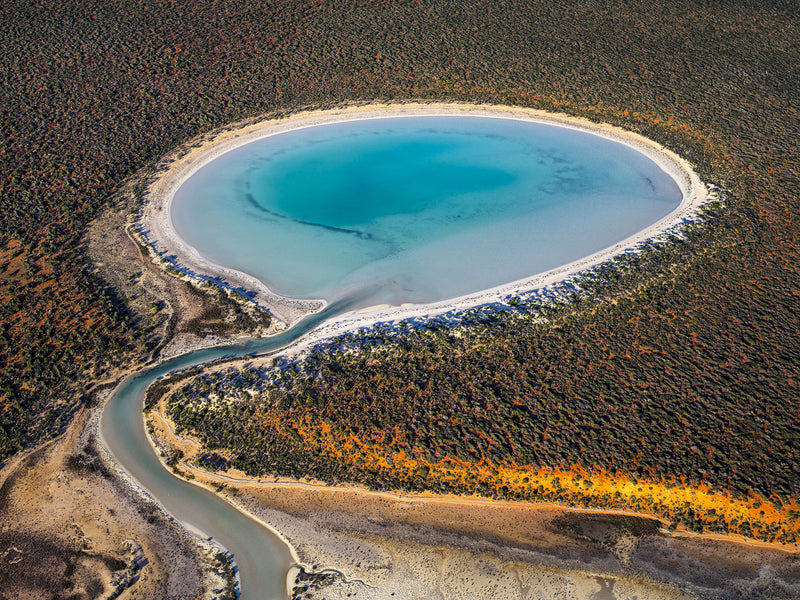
x: 262, y: 557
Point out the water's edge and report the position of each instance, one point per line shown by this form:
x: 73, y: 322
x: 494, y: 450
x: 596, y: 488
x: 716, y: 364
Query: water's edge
x: 263, y: 558
x: 156, y: 229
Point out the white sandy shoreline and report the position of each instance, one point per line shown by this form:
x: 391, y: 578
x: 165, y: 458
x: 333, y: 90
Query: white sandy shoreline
x: 156, y: 224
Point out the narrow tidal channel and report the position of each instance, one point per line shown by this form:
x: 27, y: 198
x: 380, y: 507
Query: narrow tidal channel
x: 262, y: 557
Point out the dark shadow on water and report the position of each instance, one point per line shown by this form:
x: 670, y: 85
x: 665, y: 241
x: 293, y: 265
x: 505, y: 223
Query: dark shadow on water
x: 251, y: 200
x: 606, y: 591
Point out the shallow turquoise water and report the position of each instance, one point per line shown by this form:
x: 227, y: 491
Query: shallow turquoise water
x: 417, y: 209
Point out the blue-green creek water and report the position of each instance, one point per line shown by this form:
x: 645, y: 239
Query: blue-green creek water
x: 262, y: 557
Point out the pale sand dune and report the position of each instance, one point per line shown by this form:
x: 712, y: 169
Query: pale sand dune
x: 155, y: 218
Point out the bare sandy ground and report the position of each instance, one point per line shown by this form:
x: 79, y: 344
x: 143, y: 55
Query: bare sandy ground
x: 142, y: 281
x: 401, y: 548
x: 70, y: 529
x: 156, y: 223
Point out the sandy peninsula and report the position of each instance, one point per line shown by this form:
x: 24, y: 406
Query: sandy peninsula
x: 156, y: 227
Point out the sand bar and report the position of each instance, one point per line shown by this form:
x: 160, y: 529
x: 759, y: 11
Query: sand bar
x: 156, y: 225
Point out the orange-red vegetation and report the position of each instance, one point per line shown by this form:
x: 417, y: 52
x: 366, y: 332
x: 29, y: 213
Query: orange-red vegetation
x: 714, y: 510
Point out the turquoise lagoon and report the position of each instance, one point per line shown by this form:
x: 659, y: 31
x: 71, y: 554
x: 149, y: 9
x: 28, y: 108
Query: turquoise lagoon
x: 417, y: 209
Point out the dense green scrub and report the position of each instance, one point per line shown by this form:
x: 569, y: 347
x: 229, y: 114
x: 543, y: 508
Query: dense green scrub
x: 702, y: 336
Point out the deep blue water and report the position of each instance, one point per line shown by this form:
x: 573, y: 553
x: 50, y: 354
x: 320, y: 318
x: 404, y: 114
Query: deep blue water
x: 417, y: 209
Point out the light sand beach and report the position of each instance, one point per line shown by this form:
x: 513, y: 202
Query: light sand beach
x: 156, y: 223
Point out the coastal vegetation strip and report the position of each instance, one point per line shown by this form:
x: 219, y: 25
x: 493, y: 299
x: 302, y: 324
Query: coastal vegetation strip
x: 483, y: 407
x: 680, y: 504
x: 696, y: 507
